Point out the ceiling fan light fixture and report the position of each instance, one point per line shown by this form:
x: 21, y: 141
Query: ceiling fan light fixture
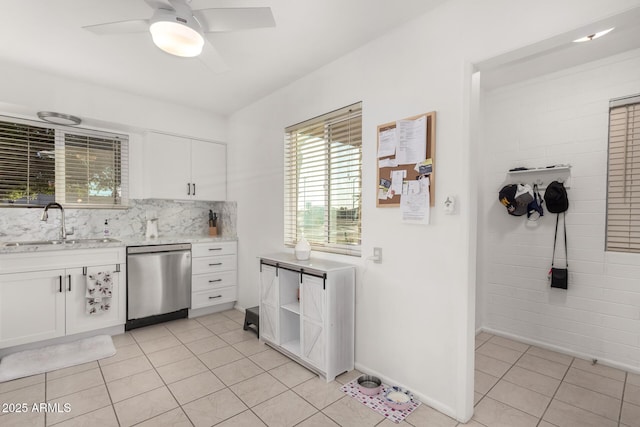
x: 593, y: 36
x: 59, y: 118
x: 176, y: 35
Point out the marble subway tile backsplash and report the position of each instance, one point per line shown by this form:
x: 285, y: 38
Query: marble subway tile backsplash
x: 175, y: 218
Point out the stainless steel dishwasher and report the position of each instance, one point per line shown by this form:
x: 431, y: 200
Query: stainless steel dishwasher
x: 158, y: 283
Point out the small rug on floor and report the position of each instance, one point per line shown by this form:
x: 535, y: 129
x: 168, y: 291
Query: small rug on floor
x: 36, y: 361
x: 377, y: 402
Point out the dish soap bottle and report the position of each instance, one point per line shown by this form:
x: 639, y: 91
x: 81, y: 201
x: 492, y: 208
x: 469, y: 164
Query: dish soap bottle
x: 106, y: 228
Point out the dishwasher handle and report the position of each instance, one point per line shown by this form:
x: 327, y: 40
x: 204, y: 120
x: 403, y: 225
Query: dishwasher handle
x: 148, y: 249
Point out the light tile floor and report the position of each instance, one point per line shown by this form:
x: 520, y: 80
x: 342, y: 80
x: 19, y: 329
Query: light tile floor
x: 208, y: 371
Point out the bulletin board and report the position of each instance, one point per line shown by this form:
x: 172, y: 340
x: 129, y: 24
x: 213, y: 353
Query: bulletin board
x: 385, y: 172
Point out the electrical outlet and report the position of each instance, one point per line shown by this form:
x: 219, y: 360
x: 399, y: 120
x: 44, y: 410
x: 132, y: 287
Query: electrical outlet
x: 377, y: 255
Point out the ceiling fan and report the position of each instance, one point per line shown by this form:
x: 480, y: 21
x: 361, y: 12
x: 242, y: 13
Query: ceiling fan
x: 179, y: 30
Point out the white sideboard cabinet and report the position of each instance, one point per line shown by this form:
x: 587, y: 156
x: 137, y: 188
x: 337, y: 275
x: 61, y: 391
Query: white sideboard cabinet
x: 307, y: 311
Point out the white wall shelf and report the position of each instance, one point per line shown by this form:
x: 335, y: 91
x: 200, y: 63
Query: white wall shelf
x: 544, y: 175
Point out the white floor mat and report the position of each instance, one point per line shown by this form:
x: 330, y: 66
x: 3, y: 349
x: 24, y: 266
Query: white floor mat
x: 50, y: 358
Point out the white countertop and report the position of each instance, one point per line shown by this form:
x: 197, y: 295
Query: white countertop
x: 312, y: 263
x: 122, y: 242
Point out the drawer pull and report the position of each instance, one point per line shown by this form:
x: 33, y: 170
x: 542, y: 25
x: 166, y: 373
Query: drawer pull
x: 217, y: 296
x: 215, y: 263
x: 215, y: 249
x: 216, y: 280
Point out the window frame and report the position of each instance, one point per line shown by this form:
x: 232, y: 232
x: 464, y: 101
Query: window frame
x: 120, y: 146
x: 621, y: 234
x: 331, y: 158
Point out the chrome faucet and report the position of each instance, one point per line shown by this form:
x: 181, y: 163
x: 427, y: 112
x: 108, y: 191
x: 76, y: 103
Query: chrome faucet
x: 45, y: 216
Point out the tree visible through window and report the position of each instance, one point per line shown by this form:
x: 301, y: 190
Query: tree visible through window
x: 41, y: 163
x: 323, y: 181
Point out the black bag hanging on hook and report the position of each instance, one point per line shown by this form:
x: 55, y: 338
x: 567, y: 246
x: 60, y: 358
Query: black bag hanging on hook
x: 559, y: 277
x: 555, y: 196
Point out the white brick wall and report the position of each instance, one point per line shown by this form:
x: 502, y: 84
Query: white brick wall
x: 558, y: 118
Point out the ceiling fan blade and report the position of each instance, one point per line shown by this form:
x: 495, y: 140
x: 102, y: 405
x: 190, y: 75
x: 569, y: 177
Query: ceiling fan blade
x: 212, y: 59
x: 232, y: 19
x: 121, y: 27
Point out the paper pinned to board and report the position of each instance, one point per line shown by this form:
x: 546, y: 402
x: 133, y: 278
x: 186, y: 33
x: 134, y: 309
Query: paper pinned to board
x: 414, y: 206
x: 397, y: 177
x: 387, y: 163
x: 387, y: 140
x: 412, y: 137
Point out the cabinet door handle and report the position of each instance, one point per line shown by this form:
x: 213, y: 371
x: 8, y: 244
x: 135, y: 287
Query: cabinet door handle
x: 194, y: 188
x: 216, y: 280
x: 69, y: 277
x: 60, y: 284
x: 188, y: 188
x: 216, y: 263
x: 217, y: 296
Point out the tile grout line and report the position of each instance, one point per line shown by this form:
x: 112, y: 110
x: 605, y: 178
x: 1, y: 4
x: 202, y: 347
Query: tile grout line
x: 624, y: 389
x: 113, y: 408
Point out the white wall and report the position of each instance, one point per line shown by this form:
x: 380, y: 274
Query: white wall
x: 25, y: 91
x: 415, y: 311
x: 559, y: 118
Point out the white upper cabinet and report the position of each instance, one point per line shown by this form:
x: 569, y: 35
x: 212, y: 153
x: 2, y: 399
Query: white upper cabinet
x: 182, y: 168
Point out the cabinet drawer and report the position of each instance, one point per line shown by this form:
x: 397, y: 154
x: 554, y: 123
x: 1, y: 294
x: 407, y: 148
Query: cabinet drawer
x: 210, y: 249
x: 206, y: 282
x: 213, y: 297
x: 213, y: 264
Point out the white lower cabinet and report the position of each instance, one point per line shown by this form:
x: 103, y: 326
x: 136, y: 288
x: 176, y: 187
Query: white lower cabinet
x: 32, y: 307
x: 214, y: 269
x: 36, y: 305
x: 307, y: 312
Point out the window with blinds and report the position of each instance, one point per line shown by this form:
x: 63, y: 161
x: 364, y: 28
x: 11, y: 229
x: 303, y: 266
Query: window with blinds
x: 77, y: 167
x: 623, y: 188
x: 323, y: 181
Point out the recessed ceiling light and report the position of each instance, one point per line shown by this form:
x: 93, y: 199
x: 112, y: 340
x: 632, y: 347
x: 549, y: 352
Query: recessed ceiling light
x: 59, y: 118
x: 593, y: 36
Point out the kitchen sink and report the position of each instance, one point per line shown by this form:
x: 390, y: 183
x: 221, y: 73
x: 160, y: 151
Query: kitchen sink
x: 79, y: 241
x: 59, y: 242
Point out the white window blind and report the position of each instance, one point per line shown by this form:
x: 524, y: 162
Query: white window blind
x: 323, y: 181
x: 76, y: 167
x: 623, y: 189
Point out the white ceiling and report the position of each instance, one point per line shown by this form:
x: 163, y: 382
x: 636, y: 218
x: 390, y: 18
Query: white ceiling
x: 47, y: 35
x: 559, y: 52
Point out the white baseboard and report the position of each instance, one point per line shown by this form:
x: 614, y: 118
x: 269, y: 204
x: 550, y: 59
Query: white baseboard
x: 564, y: 350
x: 210, y: 310
x: 435, y: 404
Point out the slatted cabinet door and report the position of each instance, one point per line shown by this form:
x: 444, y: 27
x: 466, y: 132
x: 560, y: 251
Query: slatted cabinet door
x: 269, y: 304
x: 312, y: 297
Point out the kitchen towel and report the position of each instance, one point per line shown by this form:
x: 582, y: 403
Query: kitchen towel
x: 99, y: 285
x: 99, y: 291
